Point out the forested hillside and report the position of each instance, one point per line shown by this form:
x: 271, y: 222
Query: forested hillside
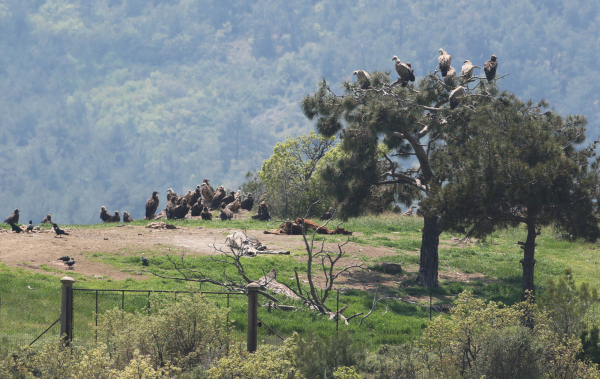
x: 103, y: 101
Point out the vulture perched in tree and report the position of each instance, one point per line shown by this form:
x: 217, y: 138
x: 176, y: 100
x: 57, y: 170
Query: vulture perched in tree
x: 467, y: 70
x: 490, y: 68
x: 206, y: 215
x: 229, y: 198
x: 196, y: 195
x: 13, y: 218
x: 115, y: 218
x: 151, y: 206
x: 248, y: 202
x: 405, y: 71
x: 181, y: 210
x: 364, y: 78
x: 104, y: 215
x: 444, y: 61
x: 47, y: 219
x: 218, y: 198
x: 225, y: 214
x: 450, y: 75
x: 455, y: 95
x: 127, y: 217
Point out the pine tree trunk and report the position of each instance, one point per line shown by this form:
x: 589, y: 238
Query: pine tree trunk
x: 528, y: 262
x: 428, y: 270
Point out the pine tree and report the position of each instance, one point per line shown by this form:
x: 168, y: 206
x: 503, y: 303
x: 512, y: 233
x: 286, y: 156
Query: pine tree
x: 517, y: 163
x: 412, y: 121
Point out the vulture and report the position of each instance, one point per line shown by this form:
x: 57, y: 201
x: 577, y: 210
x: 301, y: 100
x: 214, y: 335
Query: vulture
x: 363, y: 77
x: 127, y: 217
x: 207, y: 191
x: 218, y: 198
x: 248, y: 202
x: 30, y: 226
x: 405, y: 71
x: 455, y: 95
x: 104, y: 215
x: 235, y: 206
x: 263, y: 212
x: 206, y: 215
x: 444, y: 61
x: 181, y: 210
x: 225, y: 214
x: 490, y: 68
x: 238, y: 196
x: 188, y: 197
x: 59, y: 232
x: 467, y: 70
x: 170, y: 208
x: 115, y: 218
x: 329, y: 214
x: 450, y: 75
x: 151, y: 206
x: 196, y: 209
x: 170, y: 194
x: 13, y: 218
x: 47, y: 219
x: 15, y: 228
x: 229, y: 199
x: 196, y: 196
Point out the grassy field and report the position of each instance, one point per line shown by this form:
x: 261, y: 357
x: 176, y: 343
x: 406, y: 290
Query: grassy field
x: 25, y: 313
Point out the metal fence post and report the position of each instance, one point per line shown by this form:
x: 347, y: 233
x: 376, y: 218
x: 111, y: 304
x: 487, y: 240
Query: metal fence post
x: 252, y: 340
x: 66, y: 309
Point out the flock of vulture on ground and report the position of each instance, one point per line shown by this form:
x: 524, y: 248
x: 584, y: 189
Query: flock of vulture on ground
x: 406, y: 73
x: 199, y: 203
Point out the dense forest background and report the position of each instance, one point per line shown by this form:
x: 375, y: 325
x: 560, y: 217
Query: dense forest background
x: 103, y: 101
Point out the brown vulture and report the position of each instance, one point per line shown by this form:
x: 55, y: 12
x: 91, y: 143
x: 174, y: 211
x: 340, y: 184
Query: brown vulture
x: 229, y: 198
x: 235, y: 206
x: 13, y: 218
x: 196, y: 209
x: 248, y: 202
x: 218, y: 198
x: 104, y: 215
x: 151, y: 205
x: 455, y: 95
x: 450, y: 75
x: 188, y: 196
x: 405, y: 71
x: 225, y: 214
x: 490, y: 68
x: 170, y: 208
x: 196, y: 195
x: 206, y: 215
x: 238, y: 196
x: 364, y: 78
x: 47, y: 219
x: 170, y: 194
x: 207, y: 191
x: 467, y: 70
x: 127, y: 217
x: 115, y: 217
x: 328, y: 215
x: 181, y: 210
x: 444, y: 61
x: 263, y: 212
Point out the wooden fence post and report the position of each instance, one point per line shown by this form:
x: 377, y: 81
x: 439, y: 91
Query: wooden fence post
x: 66, y: 309
x: 252, y: 340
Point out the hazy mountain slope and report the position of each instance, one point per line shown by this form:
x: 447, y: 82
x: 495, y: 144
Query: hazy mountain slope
x: 104, y: 101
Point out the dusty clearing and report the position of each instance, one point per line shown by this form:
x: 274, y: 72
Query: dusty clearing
x: 34, y: 251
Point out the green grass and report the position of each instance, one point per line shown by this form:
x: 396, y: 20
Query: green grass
x: 25, y: 313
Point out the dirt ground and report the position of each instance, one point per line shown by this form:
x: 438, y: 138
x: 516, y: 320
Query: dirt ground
x: 31, y: 250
